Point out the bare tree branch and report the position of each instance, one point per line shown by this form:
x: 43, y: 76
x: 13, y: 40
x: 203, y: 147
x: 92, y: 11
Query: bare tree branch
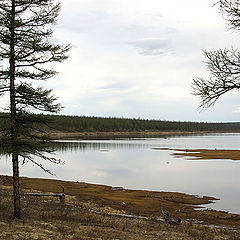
x: 222, y: 64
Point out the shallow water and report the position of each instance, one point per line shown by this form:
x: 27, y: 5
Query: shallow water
x: 133, y: 164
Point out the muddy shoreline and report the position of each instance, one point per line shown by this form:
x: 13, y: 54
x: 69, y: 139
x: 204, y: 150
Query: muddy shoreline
x: 121, y: 134
x: 133, y: 202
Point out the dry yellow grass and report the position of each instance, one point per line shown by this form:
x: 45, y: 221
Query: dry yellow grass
x: 84, y: 215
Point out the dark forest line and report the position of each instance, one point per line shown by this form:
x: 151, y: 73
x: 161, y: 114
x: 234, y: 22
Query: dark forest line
x: 66, y: 123
x: 83, y: 123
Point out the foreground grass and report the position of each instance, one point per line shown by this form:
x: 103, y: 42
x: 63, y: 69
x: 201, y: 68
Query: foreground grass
x: 86, y: 216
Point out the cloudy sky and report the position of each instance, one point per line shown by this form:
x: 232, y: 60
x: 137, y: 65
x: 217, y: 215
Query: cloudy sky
x: 137, y: 58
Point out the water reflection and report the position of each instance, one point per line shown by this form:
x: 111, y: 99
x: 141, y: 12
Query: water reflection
x: 82, y: 146
x: 132, y: 163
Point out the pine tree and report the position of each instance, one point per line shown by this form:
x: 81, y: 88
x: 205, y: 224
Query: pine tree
x: 25, y: 53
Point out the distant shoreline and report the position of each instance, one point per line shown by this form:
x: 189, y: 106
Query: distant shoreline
x: 128, y: 134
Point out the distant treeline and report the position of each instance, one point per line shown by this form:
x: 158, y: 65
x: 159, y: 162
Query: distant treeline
x: 76, y: 123
x: 91, y: 124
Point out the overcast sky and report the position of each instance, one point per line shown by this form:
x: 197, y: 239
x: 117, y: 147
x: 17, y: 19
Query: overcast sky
x: 137, y: 58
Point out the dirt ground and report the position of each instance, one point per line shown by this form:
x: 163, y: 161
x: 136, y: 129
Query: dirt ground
x: 103, y: 212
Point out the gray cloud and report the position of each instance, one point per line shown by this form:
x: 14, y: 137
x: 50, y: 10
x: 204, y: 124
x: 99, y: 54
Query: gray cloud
x: 116, y: 86
x: 105, y: 76
x: 151, y: 46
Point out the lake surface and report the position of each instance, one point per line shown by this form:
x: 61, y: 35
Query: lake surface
x: 133, y: 164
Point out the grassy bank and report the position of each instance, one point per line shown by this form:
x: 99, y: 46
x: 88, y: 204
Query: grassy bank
x: 94, y: 212
x: 57, y: 135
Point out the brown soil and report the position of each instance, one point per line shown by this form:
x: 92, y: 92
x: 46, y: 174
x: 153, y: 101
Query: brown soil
x: 46, y: 218
x: 201, y: 154
x: 137, y: 202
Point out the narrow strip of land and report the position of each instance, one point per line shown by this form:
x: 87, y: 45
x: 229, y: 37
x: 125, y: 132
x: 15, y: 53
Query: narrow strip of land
x: 204, y: 154
x: 57, y: 135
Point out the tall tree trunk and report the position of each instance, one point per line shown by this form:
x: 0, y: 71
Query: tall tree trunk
x: 16, y: 192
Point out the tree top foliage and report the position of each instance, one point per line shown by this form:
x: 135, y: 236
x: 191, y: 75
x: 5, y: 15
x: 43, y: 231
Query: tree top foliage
x: 231, y: 13
x: 222, y: 64
x: 32, y: 30
x: 27, y: 55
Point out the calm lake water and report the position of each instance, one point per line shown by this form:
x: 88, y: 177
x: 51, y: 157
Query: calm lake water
x: 133, y: 164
